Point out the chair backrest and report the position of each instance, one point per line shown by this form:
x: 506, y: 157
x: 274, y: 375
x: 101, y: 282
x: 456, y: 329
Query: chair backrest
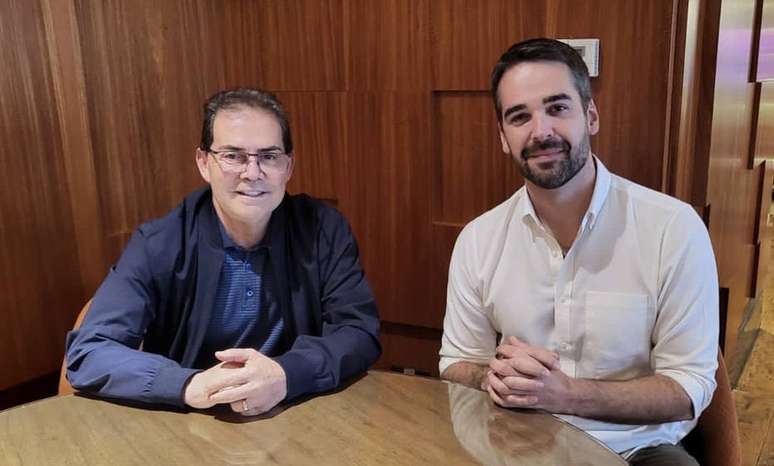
x: 64, y: 386
x: 715, y: 440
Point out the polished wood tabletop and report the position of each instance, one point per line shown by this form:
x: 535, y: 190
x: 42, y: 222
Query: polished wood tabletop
x: 380, y: 419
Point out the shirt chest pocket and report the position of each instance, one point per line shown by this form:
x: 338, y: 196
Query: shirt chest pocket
x: 618, y: 334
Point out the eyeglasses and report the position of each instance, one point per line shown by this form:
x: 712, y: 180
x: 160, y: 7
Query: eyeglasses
x: 236, y: 161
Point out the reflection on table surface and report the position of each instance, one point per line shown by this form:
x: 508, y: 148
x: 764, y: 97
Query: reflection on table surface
x: 380, y: 419
x: 497, y: 436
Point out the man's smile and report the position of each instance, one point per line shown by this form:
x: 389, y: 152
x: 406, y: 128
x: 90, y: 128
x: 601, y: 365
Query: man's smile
x: 252, y: 193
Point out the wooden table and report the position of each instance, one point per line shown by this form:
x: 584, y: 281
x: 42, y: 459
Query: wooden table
x: 381, y: 419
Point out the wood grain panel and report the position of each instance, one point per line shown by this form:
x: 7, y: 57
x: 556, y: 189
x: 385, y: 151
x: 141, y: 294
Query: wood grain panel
x: 732, y: 188
x: 760, y: 269
x: 38, y: 260
x: 765, y: 59
x: 472, y: 174
x: 753, y: 104
x: 444, y: 238
x: 387, y: 199
x: 410, y: 348
x: 150, y: 67
x: 283, y: 44
x: 388, y: 45
x: 761, y: 239
x: 764, y: 135
x: 318, y: 121
x: 148, y: 72
x: 76, y: 151
x: 692, y: 102
x: 471, y: 36
x: 765, y: 181
x: 632, y: 103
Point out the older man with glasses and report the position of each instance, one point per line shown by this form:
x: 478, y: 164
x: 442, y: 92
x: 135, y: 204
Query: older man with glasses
x: 241, y: 295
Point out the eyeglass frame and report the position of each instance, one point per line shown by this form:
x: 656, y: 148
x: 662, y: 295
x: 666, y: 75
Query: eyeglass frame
x: 243, y: 166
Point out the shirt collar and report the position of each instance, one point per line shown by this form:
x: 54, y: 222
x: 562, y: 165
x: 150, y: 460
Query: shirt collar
x: 601, y: 188
x: 266, y: 242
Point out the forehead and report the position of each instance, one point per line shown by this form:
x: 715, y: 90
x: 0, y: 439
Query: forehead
x: 528, y: 83
x: 245, y: 126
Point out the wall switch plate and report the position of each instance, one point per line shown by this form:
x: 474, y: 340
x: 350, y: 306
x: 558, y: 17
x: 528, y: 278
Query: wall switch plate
x: 589, y: 50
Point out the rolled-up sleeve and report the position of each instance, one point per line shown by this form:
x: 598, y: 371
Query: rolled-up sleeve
x: 685, y: 337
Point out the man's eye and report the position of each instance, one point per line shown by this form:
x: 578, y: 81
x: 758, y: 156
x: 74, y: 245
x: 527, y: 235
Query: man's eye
x: 558, y: 108
x: 231, y: 156
x: 519, y: 119
x: 270, y: 155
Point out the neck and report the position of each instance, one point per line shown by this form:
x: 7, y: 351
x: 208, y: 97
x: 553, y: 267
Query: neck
x: 245, y: 234
x: 562, y: 209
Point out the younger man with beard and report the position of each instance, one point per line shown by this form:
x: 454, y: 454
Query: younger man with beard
x: 604, y: 292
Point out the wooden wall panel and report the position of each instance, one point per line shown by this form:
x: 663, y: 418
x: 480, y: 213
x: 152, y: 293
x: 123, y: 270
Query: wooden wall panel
x: 318, y: 121
x: 409, y: 348
x: 471, y: 36
x: 444, y: 238
x: 388, y: 45
x: 283, y: 44
x: 387, y: 199
x: 765, y: 59
x: 144, y: 105
x: 632, y: 89
x: 38, y: 260
x: 76, y: 150
x: 732, y: 187
x: 764, y: 139
x: 150, y: 67
x: 471, y: 172
x: 763, y: 200
x: 765, y: 171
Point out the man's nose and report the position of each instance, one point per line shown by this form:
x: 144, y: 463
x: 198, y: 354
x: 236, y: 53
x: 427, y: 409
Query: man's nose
x: 542, y: 128
x: 253, y: 170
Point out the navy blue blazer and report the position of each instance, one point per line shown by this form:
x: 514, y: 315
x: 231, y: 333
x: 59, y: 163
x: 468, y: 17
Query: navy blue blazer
x: 161, y: 293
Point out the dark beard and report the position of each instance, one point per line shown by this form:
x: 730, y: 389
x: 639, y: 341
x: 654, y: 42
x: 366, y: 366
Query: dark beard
x: 559, y: 172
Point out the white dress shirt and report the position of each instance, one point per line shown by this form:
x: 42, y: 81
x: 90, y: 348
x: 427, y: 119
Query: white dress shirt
x: 636, y: 295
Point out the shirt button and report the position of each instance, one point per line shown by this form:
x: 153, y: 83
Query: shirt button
x: 249, y: 293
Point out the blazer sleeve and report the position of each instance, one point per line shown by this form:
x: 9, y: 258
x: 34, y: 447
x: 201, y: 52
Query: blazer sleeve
x: 104, y: 356
x: 348, y: 343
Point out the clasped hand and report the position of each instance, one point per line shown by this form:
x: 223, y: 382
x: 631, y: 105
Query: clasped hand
x: 244, y: 378
x: 524, y: 376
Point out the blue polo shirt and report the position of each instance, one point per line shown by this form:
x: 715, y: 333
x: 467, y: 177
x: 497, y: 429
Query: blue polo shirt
x: 239, y: 317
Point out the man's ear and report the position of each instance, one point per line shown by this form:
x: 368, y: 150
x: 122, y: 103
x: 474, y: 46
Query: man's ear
x: 201, y: 164
x: 592, y: 118
x: 504, y: 142
x: 291, y: 166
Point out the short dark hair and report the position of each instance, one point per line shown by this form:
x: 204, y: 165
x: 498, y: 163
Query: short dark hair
x: 542, y: 49
x: 244, y: 97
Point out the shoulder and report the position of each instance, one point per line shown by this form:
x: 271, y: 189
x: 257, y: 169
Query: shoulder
x: 494, y: 222
x: 178, y: 226
x: 307, y: 212
x: 650, y: 206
